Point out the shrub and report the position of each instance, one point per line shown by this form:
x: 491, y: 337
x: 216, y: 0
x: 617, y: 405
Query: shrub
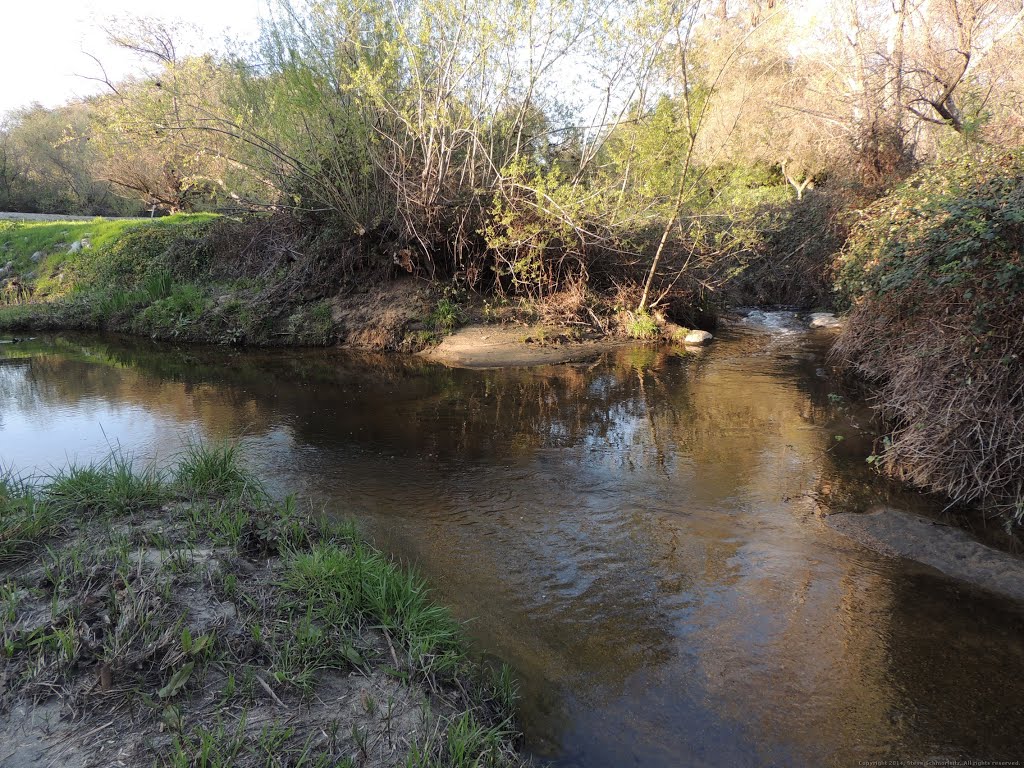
x: 935, y: 276
x: 447, y: 315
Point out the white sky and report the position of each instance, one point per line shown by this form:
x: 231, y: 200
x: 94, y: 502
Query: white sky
x: 41, y: 54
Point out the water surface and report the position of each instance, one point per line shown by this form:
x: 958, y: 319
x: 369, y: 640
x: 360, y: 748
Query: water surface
x: 640, y: 536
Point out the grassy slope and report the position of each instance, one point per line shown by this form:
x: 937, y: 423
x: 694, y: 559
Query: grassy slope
x: 154, y: 278
x: 187, y: 620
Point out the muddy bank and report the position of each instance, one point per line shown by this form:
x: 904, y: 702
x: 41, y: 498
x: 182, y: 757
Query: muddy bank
x: 943, y: 547
x: 503, y: 346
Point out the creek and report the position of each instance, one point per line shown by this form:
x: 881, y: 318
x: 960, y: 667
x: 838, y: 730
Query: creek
x: 640, y: 536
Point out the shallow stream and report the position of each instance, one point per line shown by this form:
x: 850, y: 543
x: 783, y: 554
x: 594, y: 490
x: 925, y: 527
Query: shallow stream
x: 640, y: 536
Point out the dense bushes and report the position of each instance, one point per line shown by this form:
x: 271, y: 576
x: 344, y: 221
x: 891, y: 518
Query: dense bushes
x: 935, y: 275
x: 788, y: 251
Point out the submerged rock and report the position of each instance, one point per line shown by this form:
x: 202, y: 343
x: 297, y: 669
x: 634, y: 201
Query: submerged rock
x: 698, y: 338
x: 956, y: 553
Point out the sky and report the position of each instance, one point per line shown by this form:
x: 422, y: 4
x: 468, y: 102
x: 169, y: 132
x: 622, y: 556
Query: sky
x: 42, y: 55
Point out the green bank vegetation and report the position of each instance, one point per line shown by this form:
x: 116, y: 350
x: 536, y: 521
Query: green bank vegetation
x: 189, y: 620
x: 935, y: 273
x: 673, y: 155
x: 182, y: 277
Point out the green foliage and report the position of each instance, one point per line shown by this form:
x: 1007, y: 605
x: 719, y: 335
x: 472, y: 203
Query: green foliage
x: 648, y: 152
x: 216, y: 471
x: 533, y: 230
x: 640, y: 325
x: 48, y: 163
x: 737, y: 188
x: 447, y: 315
x: 952, y: 230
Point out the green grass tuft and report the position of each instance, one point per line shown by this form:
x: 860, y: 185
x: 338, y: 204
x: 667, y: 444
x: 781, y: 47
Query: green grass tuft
x: 640, y: 325
x: 466, y: 743
x: 114, y: 485
x: 346, y: 585
x: 25, y: 520
x: 447, y: 316
x: 216, y: 471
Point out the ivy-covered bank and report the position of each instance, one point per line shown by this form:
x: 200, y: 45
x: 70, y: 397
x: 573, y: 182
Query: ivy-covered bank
x: 935, y: 275
x: 182, y: 618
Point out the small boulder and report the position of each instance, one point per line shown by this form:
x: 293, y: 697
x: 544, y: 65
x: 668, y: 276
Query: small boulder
x: 698, y: 338
x: 824, y: 320
x: 37, y: 257
x: 75, y: 247
x: 86, y: 242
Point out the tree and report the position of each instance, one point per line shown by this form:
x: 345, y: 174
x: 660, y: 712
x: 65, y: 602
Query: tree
x: 47, y: 159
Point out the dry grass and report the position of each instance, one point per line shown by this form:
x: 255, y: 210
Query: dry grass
x: 956, y: 416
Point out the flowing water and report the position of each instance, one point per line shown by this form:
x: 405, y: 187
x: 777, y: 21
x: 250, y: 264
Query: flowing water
x: 641, y: 537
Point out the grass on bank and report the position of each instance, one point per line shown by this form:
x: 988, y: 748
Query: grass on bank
x: 214, y: 627
x: 188, y: 277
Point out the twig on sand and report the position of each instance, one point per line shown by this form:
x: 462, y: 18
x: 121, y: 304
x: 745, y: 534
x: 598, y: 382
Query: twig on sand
x: 270, y: 691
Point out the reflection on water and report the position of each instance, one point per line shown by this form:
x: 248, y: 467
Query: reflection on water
x: 638, y: 536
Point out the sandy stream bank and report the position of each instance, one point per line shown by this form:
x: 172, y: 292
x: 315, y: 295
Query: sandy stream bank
x: 505, y: 346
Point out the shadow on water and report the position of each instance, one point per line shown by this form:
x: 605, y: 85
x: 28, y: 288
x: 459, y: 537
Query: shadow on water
x: 640, y: 536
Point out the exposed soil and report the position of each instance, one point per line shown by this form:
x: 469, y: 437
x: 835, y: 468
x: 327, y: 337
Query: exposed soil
x: 388, y: 316
x: 502, y: 346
